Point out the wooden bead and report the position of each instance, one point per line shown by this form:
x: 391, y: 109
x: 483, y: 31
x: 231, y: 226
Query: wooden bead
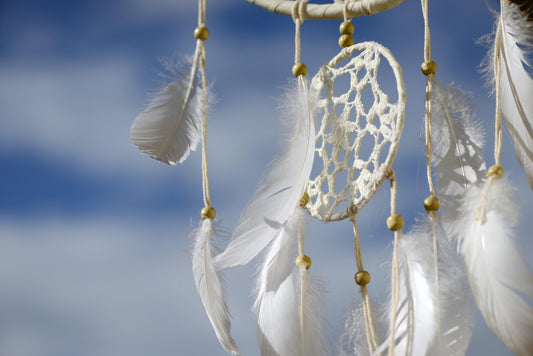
x: 201, y: 33
x: 346, y: 28
x: 208, y: 212
x: 303, y: 260
x: 304, y: 199
x: 299, y: 69
x: 362, y: 278
x: 395, y: 222
x: 496, y: 170
x: 345, y: 41
x: 429, y: 67
x: 431, y: 203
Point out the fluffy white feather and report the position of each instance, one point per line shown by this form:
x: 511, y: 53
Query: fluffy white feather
x: 516, y: 86
x: 171, y: 125
x: 283, y: 186
x: 497, y: 271
x: 353, y: 341
x: 278, y: 300
x: 457, y: 147
x: 208, y: 284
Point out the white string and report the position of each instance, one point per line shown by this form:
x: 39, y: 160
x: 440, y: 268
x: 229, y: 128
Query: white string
x: 395, y: 274
x: 202, y: 5
x: 298, y: 16
x: 367, y: 308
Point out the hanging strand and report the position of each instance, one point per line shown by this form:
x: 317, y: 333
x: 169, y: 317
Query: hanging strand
x: 395, y: 223
x: 429, y: 68
x: 431, y: 203
x: 362, y: 278
x: 202, y: 33
x: 497, y: 77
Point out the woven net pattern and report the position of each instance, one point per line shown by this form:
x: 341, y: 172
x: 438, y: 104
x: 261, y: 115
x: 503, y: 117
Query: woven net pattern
x: 359, y: 133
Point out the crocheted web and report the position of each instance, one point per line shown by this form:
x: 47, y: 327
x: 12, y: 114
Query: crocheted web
x: 359, y: 132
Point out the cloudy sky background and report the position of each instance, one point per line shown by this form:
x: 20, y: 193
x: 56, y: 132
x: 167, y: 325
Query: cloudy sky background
x: 93, y: 235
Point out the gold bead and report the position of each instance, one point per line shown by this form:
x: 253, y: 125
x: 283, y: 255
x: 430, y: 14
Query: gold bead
x: 395, y: 222
x: 496, y: 170
x: 304, y: 199
x: 208, y: 212
x: 299, y: 69
x: 429, y: 67
x: 303, y: 260
x: 201, y: 33
x: 362, y: 278
x: 431, y: 203
x: 345, y: 41
x: 346, y: 28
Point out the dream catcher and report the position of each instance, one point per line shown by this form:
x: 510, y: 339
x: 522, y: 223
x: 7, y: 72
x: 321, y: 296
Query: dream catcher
x: 344, y: 126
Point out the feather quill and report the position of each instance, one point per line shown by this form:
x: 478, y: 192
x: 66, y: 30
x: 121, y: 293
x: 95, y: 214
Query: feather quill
x: 208, y: 284
x: 278, y: 300
x: 497, y: 272
x: 283, y: 186
x: 457, y: 147
x: 516, y: 85
x: 170, y: 127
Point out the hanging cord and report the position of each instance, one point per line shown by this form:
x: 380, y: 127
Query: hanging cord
x: 395, y: 223
x: 362, y: 278
x: 303, y: 262
x: 298, y: 16
x: 429, y: 68
x: 497, y: 77
x: 201, y: 33
x: 431, y: 203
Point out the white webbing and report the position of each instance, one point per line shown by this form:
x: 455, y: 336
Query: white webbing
x: 345, y: 123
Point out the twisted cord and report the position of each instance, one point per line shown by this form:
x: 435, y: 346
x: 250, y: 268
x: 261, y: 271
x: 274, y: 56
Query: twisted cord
x: 395, y: 274
x: 202, y: 5
x: 367, y: 308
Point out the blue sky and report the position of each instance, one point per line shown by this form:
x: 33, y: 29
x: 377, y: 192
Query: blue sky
x: 93, y: 234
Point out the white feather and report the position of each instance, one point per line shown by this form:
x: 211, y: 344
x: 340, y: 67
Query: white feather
x: 208, y: 284
x: 433, y: 316
x: 353, y: 340
x: 283, y: 186
x: 455, y: 318
x: 457, y: 147
x: 416, y: 315
x: 171, y: 125
x: 497, y: 271
x: 279, y: 296
x: 516, y: 88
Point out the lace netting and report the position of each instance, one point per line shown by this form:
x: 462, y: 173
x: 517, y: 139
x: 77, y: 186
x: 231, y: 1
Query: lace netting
x: 359, y: 126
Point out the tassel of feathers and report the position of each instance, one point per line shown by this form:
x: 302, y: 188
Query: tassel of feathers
x: 283, y: 186
x: 513, y: 42
x: 208, y: 283
x: 287, y: 327
x: 170, y: 127
x: 498, y: 274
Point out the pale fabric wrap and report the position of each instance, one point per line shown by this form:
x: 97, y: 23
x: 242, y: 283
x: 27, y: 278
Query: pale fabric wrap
x: 332, y: 11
